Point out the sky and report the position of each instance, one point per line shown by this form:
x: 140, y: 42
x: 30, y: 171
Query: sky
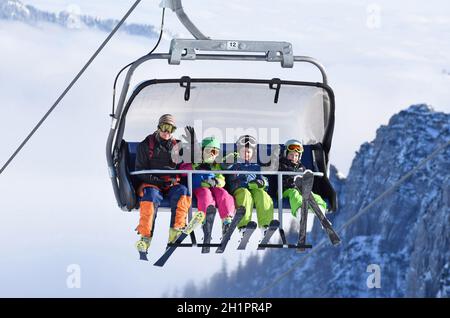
x: 57, y: 205
x: 368, y: 48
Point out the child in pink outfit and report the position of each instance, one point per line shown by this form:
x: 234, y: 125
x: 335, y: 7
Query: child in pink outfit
x: 209, y: 188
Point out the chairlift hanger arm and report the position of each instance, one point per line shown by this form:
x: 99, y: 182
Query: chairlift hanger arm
x: 228, y: 57
x: 177, y: 7
x: 186, y: 48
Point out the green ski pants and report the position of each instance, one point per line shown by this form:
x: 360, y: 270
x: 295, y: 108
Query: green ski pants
x: 258, y: 198
x: 295, y: 200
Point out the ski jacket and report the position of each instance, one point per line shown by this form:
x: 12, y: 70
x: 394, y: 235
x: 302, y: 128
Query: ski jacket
x: 156, y: 153
x: 287, y: 165
x: 236, y: 181
x: 197, y: 179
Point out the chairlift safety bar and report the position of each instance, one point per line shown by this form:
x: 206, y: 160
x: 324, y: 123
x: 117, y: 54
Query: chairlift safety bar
x: 262, y: 172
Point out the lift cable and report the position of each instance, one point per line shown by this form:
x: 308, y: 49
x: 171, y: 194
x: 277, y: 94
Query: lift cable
x: 72, y: 83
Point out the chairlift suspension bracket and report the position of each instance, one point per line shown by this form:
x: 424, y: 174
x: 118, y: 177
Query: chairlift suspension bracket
x: 186, y: 49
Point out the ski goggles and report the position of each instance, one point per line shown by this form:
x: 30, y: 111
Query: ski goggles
x: 212, y: 151
x: 247, y: 141
x: 167, y: 128
x: 295, y: 148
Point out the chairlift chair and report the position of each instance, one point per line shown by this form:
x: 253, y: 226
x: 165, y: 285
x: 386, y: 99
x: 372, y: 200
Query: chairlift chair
x: 310, y: 105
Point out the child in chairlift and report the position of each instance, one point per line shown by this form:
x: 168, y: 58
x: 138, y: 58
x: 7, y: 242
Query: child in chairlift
x: 291, y: 161
x: 250, y: 189
x: 209, y: 188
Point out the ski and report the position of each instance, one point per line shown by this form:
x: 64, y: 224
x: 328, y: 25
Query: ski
x: 196, y: 221
x: 142, y: 248
x: 305, y: 185
x: 207, y: 228
x: 249, y: 229
x: 143, y: 256
x: 326, y: 224
x: 240, y: 211
x: 273, y: 226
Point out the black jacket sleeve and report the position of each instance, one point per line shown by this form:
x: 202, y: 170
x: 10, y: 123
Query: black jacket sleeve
x: 142, y: 163
x: 286, y: 165
x: 283, y: 165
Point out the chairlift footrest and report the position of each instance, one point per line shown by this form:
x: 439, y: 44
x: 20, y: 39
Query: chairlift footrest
x: 181, y: 245
x: 302, y: 247
x: 306, y: 246
x: 209, y: 245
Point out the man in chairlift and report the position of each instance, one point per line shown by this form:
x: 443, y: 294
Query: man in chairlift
x: 156, y: 152
x: 250, y: 189
x: 290, y: 161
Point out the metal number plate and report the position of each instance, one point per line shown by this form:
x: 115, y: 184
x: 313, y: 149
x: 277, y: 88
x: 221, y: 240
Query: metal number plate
x: 232, y: 45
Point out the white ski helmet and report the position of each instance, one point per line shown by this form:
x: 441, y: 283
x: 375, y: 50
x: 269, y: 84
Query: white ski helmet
x: 294, y: 144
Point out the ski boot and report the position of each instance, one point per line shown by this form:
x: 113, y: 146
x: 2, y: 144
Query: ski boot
x: 174, y: 233
x: 142, y: 246
x: 226, y: 222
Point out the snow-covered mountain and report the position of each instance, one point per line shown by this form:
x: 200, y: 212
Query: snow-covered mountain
x: 406, y: 234
x: 17, y: 11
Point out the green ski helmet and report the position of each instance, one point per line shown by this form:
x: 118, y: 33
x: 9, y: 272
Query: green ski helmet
x: 293, y: 145
x: 213, y: 144
x: 210, y: 142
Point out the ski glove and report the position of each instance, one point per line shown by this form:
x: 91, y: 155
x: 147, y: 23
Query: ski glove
x: 256, y: 184
x: 189, y: 136
x: 209, y: 183
x: 191, y: 145
x: 231, y: 157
